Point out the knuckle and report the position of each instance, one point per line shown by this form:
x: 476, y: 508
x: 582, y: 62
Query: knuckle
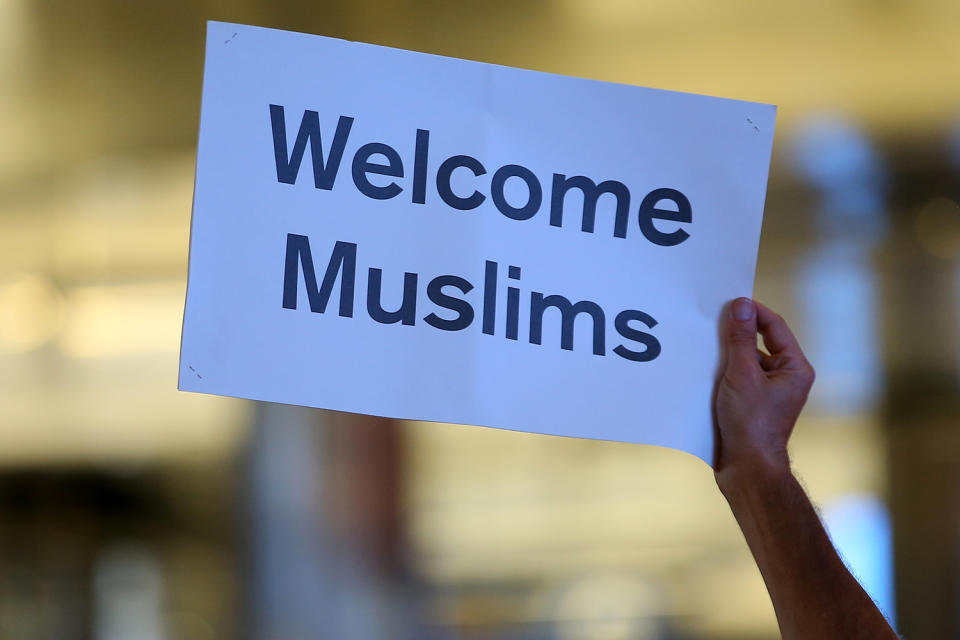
x: 744, y: 377
x: 742, y: 335
x: 736, y: 382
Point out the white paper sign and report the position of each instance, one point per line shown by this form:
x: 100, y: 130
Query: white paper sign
x: 406, y: 235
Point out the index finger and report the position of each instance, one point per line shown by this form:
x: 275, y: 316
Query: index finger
x: 777, y: 336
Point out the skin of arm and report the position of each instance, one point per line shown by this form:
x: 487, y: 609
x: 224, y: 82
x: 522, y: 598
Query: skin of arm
x: 759, y: 397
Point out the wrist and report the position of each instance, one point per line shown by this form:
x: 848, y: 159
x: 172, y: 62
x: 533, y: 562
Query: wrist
x: 747, y: 471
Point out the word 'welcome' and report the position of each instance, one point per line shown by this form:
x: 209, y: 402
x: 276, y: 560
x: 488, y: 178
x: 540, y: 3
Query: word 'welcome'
x: 366, y: 162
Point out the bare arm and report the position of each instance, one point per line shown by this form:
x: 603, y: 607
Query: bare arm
x: 759, y: 397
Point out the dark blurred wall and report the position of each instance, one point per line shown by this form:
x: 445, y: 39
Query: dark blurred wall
x: 922, y: 408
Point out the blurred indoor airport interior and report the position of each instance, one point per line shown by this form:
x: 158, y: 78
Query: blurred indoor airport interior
x: 130, y: 510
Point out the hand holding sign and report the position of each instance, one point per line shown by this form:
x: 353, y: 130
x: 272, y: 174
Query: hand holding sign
x: 516, y: 249
x: 759, y: 395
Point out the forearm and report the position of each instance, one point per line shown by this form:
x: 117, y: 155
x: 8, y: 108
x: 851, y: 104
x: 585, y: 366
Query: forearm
x: 813, y: 593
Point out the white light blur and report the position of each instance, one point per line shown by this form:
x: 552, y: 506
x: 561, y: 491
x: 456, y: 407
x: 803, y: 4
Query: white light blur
x: 837, y: 290
x: 604, y: 605
x: 860, y: 528
x: 128, y: 590
x: 839, y: 161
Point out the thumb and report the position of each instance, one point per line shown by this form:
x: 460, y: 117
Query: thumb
x: 741, y: 336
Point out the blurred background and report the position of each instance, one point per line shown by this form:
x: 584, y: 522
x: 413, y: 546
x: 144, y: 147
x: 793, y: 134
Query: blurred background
x: 129, y: 510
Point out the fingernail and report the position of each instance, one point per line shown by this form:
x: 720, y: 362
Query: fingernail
x: 742, y: 309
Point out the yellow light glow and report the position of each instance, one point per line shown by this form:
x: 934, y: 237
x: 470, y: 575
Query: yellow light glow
x: 123, y: 320
x: 30, y: 312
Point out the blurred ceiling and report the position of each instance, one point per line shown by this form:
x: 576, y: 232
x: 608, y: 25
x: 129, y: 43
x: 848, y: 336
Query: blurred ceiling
x: 99, y: 118
x: 106, y: 76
